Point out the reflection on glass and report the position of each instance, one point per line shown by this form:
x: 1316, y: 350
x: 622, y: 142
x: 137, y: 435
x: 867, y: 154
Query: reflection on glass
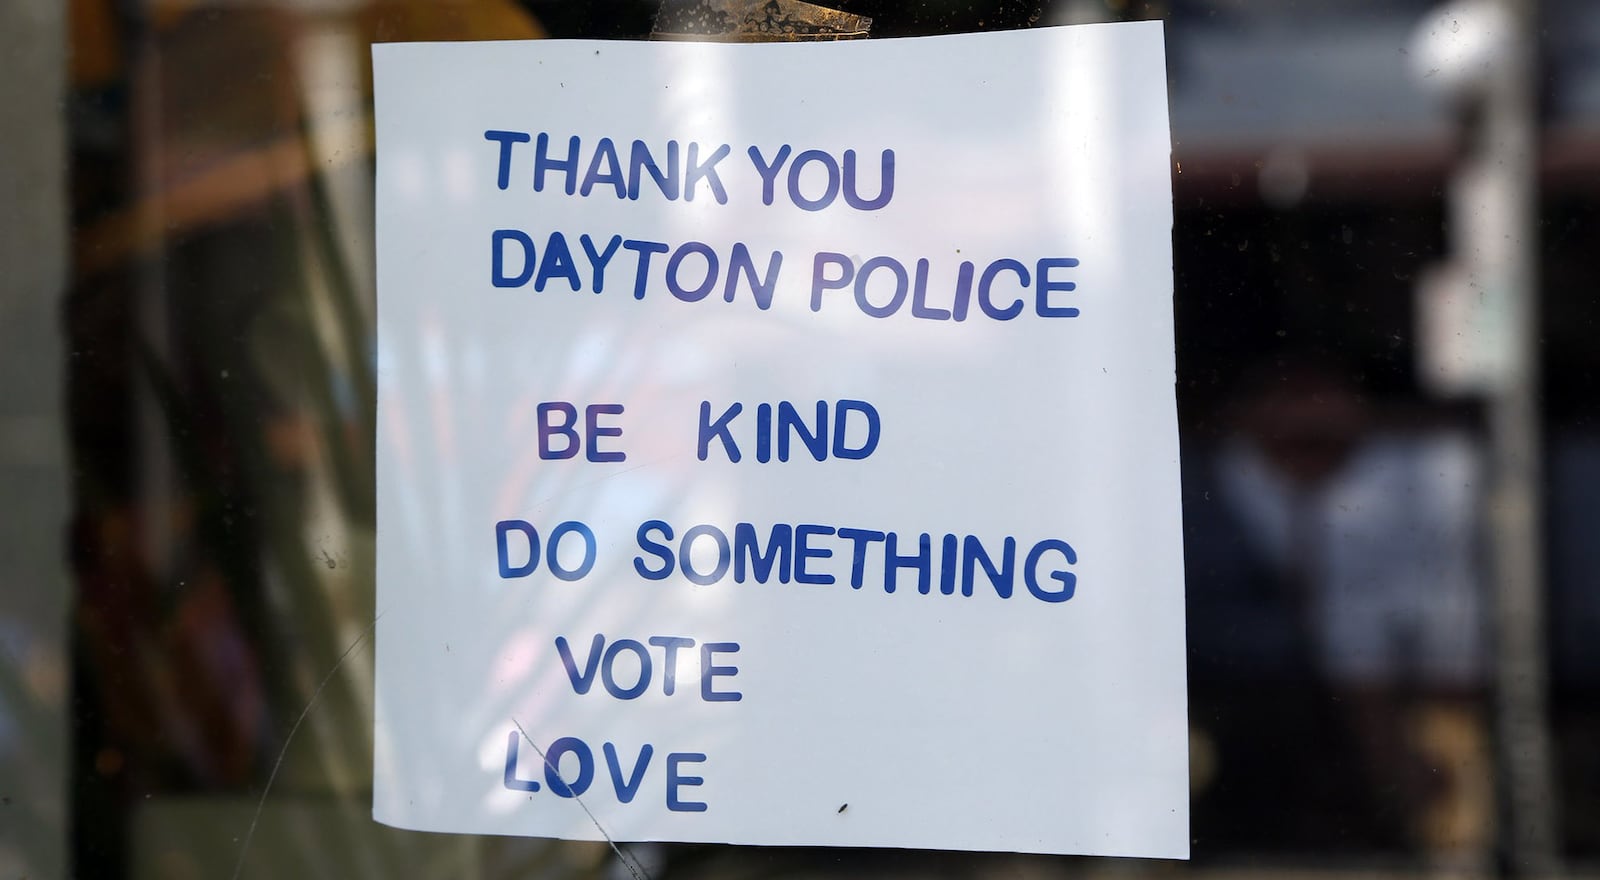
x: 214, y: 487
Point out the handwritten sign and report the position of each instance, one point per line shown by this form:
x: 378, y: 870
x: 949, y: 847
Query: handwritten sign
x: 770, y: 429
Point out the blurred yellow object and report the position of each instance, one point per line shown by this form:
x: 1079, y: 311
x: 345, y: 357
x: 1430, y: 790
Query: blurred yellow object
x: 1453, y: 741
x: 96, y: 56
x: 229, y: 132
x: 388, y: 21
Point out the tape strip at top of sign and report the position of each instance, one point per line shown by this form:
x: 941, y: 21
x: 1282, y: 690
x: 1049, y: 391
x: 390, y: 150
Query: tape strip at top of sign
x: 743, y: 454
x: 755, y: 21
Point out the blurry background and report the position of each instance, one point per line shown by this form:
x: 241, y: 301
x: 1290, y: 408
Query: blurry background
x: 1386, y: 239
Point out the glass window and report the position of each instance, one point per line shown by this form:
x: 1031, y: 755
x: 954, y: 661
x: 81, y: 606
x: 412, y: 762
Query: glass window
x: 1389, y: 487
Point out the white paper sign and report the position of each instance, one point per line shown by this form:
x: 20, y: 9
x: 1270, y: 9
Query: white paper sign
x: 777, y: 443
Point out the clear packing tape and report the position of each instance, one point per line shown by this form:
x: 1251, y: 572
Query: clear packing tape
x: 755, y: 21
